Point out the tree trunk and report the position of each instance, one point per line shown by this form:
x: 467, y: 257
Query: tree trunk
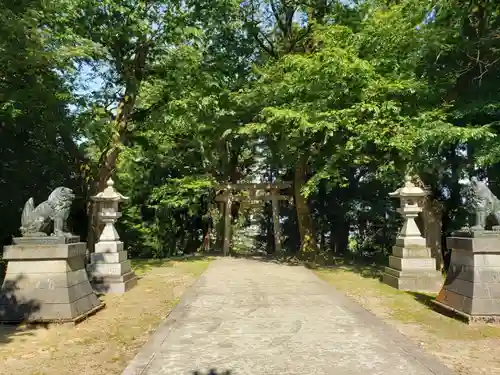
x: 107, y: 165
x: 308, y: 245
x: 322, y: 241
x: 276, y: 222
x: 432, y: 225
x: 342, y: 239
x: 429, y: 222
x: 219, y: 228
x: 331, y: 239
x: 109, y: 157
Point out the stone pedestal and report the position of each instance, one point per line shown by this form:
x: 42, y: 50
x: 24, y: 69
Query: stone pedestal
x: 412, y: 268
x: 46, y: 281
x: 472, y: 286
x: 110, y: 270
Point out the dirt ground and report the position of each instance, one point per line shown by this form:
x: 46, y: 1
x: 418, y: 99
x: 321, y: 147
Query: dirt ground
x: 105, y: 342
x: 467, y: 349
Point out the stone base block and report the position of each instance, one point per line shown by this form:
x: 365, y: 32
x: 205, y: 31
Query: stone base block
x: 411, y: 252
x: 413, y: 241
x: 46, y: 283
x: 424, y: 281
x: 117, y: 257
x: 472, y: 285
x: 108, y: 247
x: 412, y: 268
x: 468, y: 318
x: 416, y: 258
x: 416, y: 264
x: 45, y: 240
x: 110, y: 271
x: 114, y: 284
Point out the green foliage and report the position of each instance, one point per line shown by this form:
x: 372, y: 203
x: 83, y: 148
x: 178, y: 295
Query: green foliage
x: 204, y: 92
x: 181, y: 193
x: 37, y: 151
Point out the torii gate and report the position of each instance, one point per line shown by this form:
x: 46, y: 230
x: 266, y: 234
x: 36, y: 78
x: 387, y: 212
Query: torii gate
x: 270, y: 192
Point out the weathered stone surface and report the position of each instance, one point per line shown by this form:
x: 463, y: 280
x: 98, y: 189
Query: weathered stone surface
x: 45, y: 240
x: 49, y: 266
x: 475, y: 234
x: 412, y: 281
x: 413, y: 269
x: 486, y: 204
x: 482, y: 241
x: 411, y: 266
x: 53, y: 281
x: 109, y: 247
x: 35, y: 220
x: 114, y: 284
x: 109, y: 269
x: 472, y: 286
x: 412, y: 241
x: 412, y: 263
x: 116, y: 257
x: 457, y: 301
x: 46, y: 283
x: 409, y: 252
x: 27, y: 251
x: 411, y: 273
x: 56, y: 295
x: 252, y: 317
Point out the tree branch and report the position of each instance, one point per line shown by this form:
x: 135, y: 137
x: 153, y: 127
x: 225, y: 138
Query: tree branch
x: 276, y: 14
x: 269, y: 49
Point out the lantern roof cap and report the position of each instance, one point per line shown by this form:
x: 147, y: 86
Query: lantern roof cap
x: 408, y: 190
x: 110, y: 193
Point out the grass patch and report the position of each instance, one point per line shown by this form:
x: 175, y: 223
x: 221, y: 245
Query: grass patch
x: 104, y: 343
x: 362, y: 283
x: 194, y: 263
x: 142, y: 266
x: 466, y: 349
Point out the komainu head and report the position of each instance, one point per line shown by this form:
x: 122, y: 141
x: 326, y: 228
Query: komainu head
x: 61, y: 198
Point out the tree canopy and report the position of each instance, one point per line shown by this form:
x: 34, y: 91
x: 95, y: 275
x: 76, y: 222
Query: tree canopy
x: 170, y: 98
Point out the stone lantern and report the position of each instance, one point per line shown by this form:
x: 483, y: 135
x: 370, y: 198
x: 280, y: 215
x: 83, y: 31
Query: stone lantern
x: 110, y: 270
x: 410, y: 197
x: 107, y: 202
x: 411, y: 266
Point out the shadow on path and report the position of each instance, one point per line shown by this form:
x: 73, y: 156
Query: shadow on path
x: 366, y: 270
x: 268, y: 258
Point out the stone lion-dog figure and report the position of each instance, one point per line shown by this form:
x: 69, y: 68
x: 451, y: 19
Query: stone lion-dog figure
x: 486, y: 204
x: 35, y: 221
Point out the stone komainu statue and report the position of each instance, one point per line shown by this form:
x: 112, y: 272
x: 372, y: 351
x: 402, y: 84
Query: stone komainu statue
x: 486, y: 204
x: 36, y: 221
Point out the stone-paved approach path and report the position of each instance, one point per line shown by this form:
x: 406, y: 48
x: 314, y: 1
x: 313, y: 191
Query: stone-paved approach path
x: 260, y: 318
